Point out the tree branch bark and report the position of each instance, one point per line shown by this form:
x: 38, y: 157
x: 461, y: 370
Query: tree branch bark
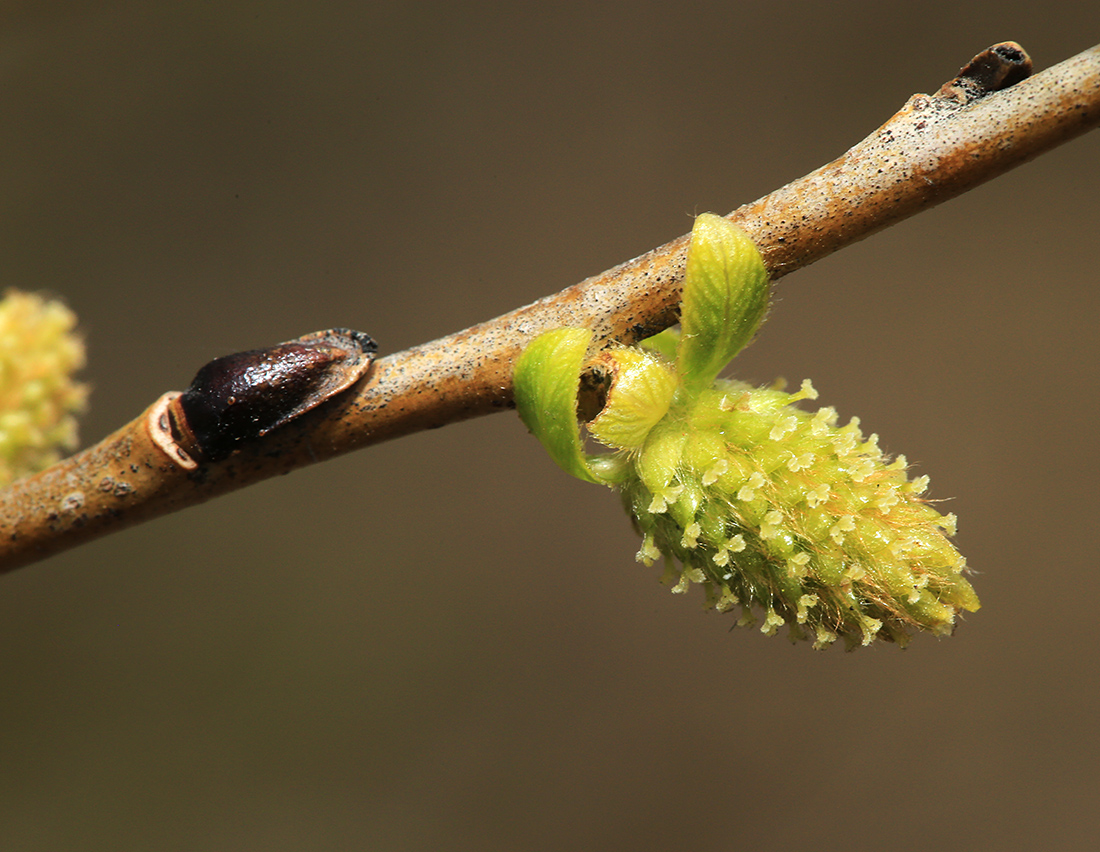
x: 979, y: 125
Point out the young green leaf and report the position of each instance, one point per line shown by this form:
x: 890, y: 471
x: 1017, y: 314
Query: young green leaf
x: 546, y: 380
x: 725, y: 299
x: 642, y: 386
x: 664, y: 344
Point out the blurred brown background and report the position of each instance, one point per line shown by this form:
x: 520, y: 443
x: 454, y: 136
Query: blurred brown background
x: 444, y: 643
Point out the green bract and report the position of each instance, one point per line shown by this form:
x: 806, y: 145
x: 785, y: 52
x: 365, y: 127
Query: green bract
x: 769, y: 507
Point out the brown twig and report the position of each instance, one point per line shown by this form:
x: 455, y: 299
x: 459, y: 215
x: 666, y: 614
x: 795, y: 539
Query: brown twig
x: 978, y: 126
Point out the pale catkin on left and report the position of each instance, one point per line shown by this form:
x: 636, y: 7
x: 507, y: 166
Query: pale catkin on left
x: 39, y: 398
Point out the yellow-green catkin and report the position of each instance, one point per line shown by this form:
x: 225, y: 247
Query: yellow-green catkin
x: 39, y: 399
x: 785, y: 514
x: 780, y: 513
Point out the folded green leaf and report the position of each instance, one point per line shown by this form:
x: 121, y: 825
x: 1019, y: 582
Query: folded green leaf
x: 546, y: 379
x: 642, y: 385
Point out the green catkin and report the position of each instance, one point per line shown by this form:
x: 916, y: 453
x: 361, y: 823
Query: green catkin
x: 779, y: 510
x: 775, y: 511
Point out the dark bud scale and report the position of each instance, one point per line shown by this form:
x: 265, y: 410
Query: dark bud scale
x: 243, y: 396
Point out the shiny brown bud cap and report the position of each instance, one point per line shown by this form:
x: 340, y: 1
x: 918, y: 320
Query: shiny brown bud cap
x: 243, y: 396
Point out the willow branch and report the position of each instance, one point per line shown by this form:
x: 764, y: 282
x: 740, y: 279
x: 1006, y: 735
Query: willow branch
x: 985, y: 122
